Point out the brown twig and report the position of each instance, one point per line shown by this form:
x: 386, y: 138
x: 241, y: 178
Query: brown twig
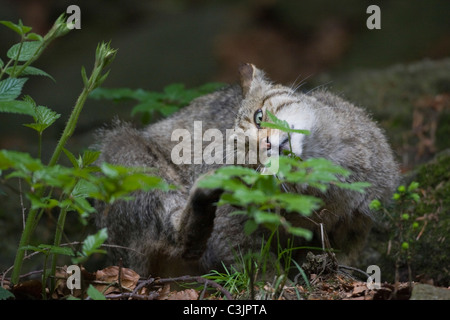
x: 143, y: 283
x: 150, y: 296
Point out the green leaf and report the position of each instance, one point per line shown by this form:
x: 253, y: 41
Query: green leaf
x: 66, y: 251
x: 415, y: 197
x: 413, y: 186
x: 238, y: 171
x: 250, y: 226
x: 148, y: 106
x: 354, y: 186
x: 375, y: 205
x: 300, y: 232
x: 34, y: 249
x: 298, y: 203
x: 95, y: 294
x: 266, y: 217
x: 29, y: 71
x: 282, y: 128
x: 89, y: 157
x: 1, y: 63
x: 93, y: 242
x: 27, y: 51
x: 43, y: 117
x: 110, y: 170
x: 11, y: 88
x: 18, y: 28
x: 71, y: 158
x: 246, y: 196
x: 34, y: 36
x: 18, y: 160
x: 168, y: 110
x: 19, y: 107
x: 115, y: 94
x: 85, y: 78
x: 221, y: 178
x: 281, y: 125
x: 5, y: 294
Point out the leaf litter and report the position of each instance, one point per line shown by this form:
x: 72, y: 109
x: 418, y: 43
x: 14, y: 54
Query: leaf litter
x: 331, y: 286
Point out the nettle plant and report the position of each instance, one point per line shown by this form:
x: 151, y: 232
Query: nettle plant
x: 54, y: 188
x: 151, y: 104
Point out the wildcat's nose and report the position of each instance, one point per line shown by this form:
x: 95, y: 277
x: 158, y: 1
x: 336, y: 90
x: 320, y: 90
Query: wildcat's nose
x: 267, y: 142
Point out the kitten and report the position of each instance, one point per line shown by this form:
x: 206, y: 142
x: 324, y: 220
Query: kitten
x: 182, y: 231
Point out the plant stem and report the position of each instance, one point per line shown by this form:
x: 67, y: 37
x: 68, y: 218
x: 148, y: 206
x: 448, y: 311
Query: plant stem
x: 18, y: 55
x: 58, y: 235
x: 24, y: 241
x: 104, y: 56
x: 70, y: 126
x: 40, y: 146
x: 5, y: 67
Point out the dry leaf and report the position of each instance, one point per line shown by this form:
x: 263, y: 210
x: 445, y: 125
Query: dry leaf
x: 30, y: 289
x: 188, y: 294
x: 61, y: 289
x: 359, y: 289
x: 164, y: 292
x: 110, y: 275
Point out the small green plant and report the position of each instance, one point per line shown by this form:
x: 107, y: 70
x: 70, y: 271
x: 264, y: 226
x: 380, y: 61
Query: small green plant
x: 249, y: 274
x: 406, y: 225
x: 52, y: 187
x: 152, y: 104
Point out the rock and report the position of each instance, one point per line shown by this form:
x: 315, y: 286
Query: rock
x: 423, y: 291
x: 411, y: 102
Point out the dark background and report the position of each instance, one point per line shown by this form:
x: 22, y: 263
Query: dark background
x: 194, y: 42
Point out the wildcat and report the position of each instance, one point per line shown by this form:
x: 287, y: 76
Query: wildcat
x: 183, y: 231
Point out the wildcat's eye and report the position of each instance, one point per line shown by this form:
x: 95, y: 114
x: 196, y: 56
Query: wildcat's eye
x: 257, y: 117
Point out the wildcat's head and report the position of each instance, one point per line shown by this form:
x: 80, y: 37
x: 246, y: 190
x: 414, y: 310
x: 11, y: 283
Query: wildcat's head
x: 260, y: 96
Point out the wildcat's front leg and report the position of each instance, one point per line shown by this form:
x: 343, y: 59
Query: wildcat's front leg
x: 197, y: 221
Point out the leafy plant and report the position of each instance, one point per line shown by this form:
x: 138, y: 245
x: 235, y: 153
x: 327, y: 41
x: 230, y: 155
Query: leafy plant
x: 150, y: 103
x: 52, y: 187
x: 406, y: 223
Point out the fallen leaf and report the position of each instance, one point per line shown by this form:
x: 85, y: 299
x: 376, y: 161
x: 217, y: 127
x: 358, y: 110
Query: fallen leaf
x: 110, y: 275
x: 30, y: 289
x: 359, y: 289
x: 164, y: 292
x: 188, y: 294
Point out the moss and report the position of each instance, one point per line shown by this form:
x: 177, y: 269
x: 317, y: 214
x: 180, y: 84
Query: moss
x: 430, y: 246
x: 433, y: 248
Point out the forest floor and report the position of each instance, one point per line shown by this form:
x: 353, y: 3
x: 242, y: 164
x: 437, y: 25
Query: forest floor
x: 331, y: 286
x: 119, y: 283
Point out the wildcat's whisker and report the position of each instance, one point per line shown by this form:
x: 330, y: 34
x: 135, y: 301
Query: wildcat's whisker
x: 303, y: 82
x: 318, y: 87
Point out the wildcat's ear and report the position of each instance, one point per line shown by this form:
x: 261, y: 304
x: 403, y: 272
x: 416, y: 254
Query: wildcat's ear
x: 251, y: 78
x: 247, y: 73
